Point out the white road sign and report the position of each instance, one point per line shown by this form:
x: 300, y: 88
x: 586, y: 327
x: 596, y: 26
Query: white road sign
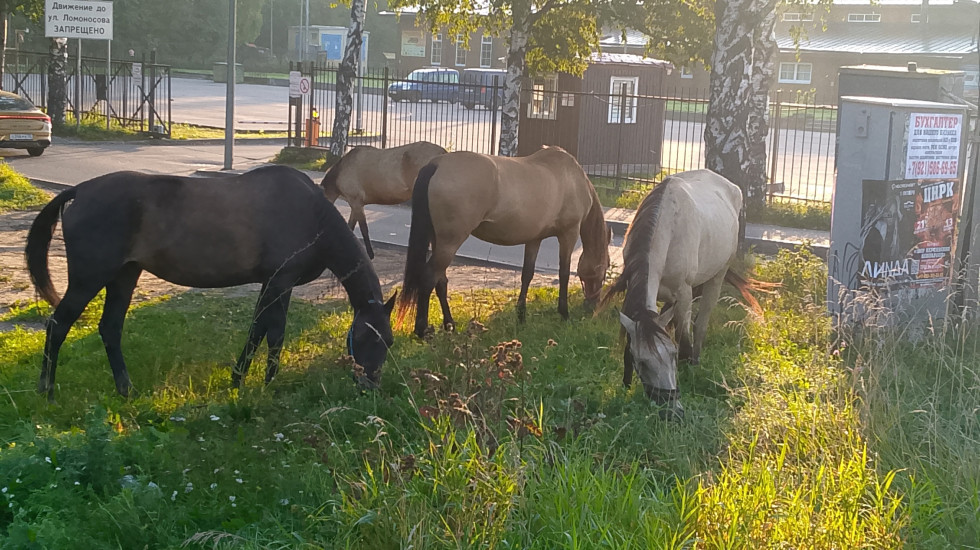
x: 78, y: 19
x: 294, y: 77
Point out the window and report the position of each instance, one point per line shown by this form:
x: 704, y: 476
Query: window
x: 864, y: 18
x: 486, y: 51
x: 544, y: 96
x: 797, y: 16
x: 460, y: 52
x: 795, y: 73
x: 436, y: 58
x: 686, y: 72
x: 622, y: 109
x: 916, y: 17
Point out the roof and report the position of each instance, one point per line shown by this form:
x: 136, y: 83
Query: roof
x: 613, y: 38
x: 887, y: 38
x: 602, y: 58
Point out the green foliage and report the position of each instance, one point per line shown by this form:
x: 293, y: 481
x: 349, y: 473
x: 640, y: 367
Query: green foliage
x: 481, y: 440
x: 305, y: 158
x: 92, y: 128
x: 795, y: 214
x: 17, y: 192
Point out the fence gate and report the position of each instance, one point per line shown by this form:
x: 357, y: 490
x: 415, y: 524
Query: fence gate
x: 127, y: 93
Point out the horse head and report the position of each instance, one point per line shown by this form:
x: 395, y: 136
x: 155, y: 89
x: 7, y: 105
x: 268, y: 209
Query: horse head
x: 368, y: 341
x: 654, y: 356
x: 593, y: 265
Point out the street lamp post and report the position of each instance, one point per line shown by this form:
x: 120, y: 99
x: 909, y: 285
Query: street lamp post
x: 230, y: 89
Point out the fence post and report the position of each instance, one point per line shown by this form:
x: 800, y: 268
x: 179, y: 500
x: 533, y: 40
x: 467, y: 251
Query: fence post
x: 774, y: 149
x: 384, y: 109
x: 493, y: 115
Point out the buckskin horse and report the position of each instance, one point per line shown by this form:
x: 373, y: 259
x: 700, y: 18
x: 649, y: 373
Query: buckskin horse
x: 680, y: 243
x: 368, y: 175
x: 271, y: 226
x: 503, y: 201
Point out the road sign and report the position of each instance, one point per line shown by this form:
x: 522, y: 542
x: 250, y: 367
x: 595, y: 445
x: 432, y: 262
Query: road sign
x: 78, y: 19
x: 294, y: 77
x: 304, y: 86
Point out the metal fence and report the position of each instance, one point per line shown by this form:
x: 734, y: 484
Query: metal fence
x: 130, y: 94
x: 624, y: 141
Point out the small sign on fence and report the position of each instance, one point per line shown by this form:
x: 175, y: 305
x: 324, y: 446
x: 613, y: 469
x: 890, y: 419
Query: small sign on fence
x: 294, y: 77
x: 78, y: 19
x: 137, y: 70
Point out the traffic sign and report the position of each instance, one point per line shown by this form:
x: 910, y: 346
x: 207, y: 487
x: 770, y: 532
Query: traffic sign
x: 78, y: 19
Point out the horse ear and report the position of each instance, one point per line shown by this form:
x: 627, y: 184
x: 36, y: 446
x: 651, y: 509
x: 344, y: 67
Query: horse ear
x: 390, y: 304
x: 628, y: 324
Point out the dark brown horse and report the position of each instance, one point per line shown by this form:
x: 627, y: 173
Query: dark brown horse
x: 504, y: 201
x: 368, y: 175
x: 271, y: 226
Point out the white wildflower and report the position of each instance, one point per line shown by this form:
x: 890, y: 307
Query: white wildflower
x: 231, y: 498
x: 173, y: 496
x: 178, y: 418
x: 215, y: 418
x: 189, y: 487
x: 47, y: 459
x: 284, y: 502
x: 77, y: 483
x: 214, y: 486
x: 279, y: 436
x: 239, y: 480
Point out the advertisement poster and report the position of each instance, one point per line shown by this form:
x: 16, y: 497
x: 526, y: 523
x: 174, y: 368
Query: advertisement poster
x: 907, y: 230
x: 413, y: 44
x: 933, y: 146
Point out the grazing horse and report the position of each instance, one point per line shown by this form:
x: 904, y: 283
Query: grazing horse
x: 271, y: 226
x: 680, y: 243
x: 368, y: 175
x: 503, y: 201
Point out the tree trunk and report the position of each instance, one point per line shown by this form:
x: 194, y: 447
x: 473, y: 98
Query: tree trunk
x: 346, y: 75
x: 57, y: 80
x: 727, y: 132
x: 764, y: 40
x: 510, y: 114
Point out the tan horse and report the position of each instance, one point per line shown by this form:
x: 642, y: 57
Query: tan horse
x: 681, y: 241
x: 368, y: 175
x: 504, y: 201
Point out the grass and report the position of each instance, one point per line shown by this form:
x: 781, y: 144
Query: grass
x: 16, y: 191
x: 497, y: 436
x: 93, y: 128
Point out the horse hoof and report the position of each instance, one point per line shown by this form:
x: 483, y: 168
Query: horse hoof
x: 673, y: 412
x: 449, y: 327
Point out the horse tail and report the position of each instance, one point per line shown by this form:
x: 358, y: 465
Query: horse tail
x: 38, y: 241
x: 329, y: 183
x: 747, y: 286
x: 610, y: 293
x: 420, y: 236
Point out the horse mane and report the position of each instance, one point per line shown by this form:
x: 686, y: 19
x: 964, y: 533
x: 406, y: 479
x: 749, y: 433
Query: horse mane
x: 593, y: 229
x: 636, y: 269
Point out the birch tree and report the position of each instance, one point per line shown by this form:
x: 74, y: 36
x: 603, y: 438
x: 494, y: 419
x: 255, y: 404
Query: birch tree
x: 346, y: 74
x: 57, y: 80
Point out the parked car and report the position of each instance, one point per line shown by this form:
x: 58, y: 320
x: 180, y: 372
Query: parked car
x: 477, y: 87
x: 434, y: 84
x: 22, y: 125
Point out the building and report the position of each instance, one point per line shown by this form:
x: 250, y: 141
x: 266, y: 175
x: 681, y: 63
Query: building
x: 420, y: 48
x: 853, y: 32
x: 323, y: 44
x: 611, y: 118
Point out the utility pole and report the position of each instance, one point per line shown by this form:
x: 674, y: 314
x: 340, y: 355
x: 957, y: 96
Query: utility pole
x: 230, y: 89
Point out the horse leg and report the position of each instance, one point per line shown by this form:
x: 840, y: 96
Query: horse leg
x: 627, y: 364
x: 527, y: 273
x: 275, y: 323
x: 566, y: 243
x: 118, y: 295
x: 357, y: 215
x: 64, y: 316
x: 682, y: 322
x: 709, y: 297
x: 256, y: 332
x: 436, y: 278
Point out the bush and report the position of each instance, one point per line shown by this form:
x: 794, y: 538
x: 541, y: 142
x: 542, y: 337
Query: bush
x: 17, y: 192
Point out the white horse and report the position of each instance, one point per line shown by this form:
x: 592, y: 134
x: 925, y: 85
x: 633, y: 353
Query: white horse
x: 680, y: 243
